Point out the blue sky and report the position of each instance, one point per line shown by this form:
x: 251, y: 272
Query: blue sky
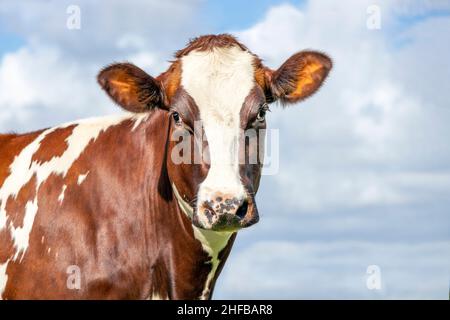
x: 10, y: 42
x: 235, y: 14
x: 364, y: 173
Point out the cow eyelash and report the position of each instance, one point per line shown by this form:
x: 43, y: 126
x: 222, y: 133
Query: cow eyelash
x: 262, y: 112
x: 176, y: 117
x: 265, y: 107
x: 179, y: 121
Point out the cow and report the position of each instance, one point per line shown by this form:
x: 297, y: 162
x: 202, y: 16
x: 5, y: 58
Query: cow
x: 102, y: 209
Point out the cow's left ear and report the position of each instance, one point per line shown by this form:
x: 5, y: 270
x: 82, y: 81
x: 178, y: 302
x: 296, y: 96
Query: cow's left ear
x: 299, y: 77
x: 131, y: 87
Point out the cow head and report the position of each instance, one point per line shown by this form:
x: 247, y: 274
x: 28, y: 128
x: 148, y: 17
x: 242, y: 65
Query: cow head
x: 216, y: 94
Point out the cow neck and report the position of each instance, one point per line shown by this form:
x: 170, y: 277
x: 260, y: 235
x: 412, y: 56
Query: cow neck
x: 213, y: 242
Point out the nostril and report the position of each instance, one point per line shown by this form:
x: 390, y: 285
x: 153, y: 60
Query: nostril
x: 208, y: 209
x: 242, y: 211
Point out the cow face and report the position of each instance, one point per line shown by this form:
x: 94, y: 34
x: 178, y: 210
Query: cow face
x: 216, y: 95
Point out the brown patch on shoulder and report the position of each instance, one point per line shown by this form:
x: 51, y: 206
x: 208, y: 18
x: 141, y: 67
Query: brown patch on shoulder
x: 7, y: 245
x: 53, y: 145
x: 10, y: 147
x: 15, y: 206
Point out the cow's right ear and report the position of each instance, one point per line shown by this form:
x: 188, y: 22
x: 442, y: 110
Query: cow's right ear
x: 132, y: 88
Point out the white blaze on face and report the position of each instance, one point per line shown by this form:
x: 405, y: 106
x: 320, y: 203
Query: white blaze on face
x: 219, y: 81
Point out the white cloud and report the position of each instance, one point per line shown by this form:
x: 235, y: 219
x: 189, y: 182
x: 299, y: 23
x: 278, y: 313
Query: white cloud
x: 39, y: 86
x: 51, y: 79
x: 336, y: 270
x: 159, y: 22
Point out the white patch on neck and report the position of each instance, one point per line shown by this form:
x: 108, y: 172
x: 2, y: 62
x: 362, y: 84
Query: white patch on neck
x: 3, y: 277
x: 219, y: 80
x: 23, y: 168
x: 61, y: 195
x: 213, y: 242
x: 81, y: 178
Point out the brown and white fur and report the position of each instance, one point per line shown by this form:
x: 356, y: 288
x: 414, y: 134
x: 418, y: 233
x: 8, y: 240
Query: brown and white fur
x: 105, y: 195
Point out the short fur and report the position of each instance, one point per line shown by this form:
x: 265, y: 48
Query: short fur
x: 103, y: 195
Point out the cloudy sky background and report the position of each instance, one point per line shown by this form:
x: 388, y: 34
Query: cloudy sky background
x: 364, y: 174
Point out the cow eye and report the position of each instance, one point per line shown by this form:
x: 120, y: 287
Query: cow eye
x: 176, y: 117
x: 262, y: 112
